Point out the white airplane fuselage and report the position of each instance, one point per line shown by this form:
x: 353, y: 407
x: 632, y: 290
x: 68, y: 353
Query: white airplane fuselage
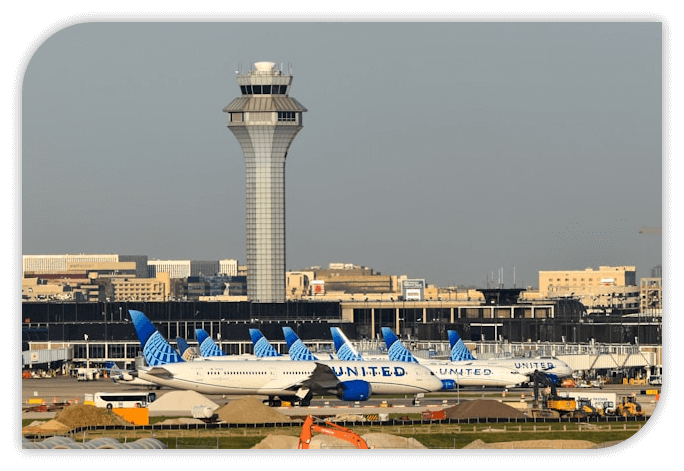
x: 527, y: 366
x: 474, y: 373
x: 274, y: 378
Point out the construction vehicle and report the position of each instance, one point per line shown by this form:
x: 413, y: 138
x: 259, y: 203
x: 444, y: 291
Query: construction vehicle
x: 331, y: 429
x: 629, y: 408
x: 554, y: 406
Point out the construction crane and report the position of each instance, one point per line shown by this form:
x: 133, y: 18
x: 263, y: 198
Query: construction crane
x: 331, y: 429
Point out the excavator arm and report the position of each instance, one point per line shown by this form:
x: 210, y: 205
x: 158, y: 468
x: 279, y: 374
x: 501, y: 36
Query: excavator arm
x: 331, y: 429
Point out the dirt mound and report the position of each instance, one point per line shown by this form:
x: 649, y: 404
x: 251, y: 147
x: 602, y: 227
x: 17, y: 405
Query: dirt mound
x: 277, y: 442
x: 482, y: 408
x: 81, y: 415
x: 249, y: 410
x: 326, y: 442
x: 388, y: 442
x: 37, y: 427
x: 531, y: 444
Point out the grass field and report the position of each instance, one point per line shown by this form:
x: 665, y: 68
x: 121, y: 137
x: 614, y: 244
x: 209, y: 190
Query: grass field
x: 433, y: 436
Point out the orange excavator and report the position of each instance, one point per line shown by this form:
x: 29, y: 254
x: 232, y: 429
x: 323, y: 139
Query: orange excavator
x: 331, y: 429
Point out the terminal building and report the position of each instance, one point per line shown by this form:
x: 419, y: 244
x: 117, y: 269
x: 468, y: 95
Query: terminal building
x: 75, y: 307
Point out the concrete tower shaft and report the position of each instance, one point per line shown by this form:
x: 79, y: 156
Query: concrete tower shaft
x: 265, y: 121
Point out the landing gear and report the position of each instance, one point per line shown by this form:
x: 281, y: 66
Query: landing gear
x: 271, y: 402
x: 290, y: 400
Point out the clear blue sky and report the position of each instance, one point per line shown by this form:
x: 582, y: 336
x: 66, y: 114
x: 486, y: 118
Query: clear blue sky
x: 442, y: 151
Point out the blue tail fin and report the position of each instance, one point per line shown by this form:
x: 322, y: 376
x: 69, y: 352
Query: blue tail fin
x: 182, y: 345
x: 207, y: 346
x: 345, y: 350
x: 156, y: 349
x: 186, y: 353
x: 459, y: 352
x: 262, y: 347
x: 296, y: 348
x: 395, y: 349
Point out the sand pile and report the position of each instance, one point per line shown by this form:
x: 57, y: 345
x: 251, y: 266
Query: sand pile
x: 81, y: 415
x: 179, y: 403
x: 482, y: 408
x: 249, y: 410
x: 41, y: 426
x: 532, y: 444
x: 326, y: 442
x: 180, y: 421
x: 277, y: 442
x: 387, y: 441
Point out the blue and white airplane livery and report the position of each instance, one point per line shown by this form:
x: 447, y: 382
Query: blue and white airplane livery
x: 552, y: 367
x: 297, y: 350
x: 343, y: 347
x: 296, y: 381
x: 262, y: 347
x: 207, y: 346
x: 461, y: 373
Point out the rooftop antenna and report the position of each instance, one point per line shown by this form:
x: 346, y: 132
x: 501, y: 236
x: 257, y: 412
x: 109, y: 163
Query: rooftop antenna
x: 513, y: 277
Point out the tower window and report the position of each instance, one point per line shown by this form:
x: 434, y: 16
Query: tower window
x: 263, y: 89
x: 286, y: 116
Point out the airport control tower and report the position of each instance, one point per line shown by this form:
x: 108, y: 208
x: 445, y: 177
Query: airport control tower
x: 265, y: 121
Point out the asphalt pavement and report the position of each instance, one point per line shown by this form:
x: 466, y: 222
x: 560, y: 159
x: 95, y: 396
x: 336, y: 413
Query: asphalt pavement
x: 62, y: 389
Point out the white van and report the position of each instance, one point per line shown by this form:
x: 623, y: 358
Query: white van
x: 656, y: 380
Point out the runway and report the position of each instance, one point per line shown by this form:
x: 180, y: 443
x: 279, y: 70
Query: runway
x: 63, y: 389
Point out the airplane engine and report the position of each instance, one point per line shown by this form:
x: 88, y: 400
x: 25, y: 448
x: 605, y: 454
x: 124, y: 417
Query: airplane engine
x: 554, y: 378
x: 448, y: 384
x: 355, y: 390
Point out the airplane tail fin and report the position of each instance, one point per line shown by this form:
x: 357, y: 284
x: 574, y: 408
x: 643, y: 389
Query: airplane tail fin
x: 345, y: 350
x: 114, y: 372
x: 207, y: 346
x: 187, y: 353
x: 395, y: 349
x: 262, y: 347
x: 182, y: 345
x: 459, y: 352
x: 296, y: 348
x: 156, y: 349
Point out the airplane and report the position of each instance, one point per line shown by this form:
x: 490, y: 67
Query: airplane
x: 461, y: 373
x: 296, y: 381
x: 552, y: 367
x: 129, y: 377
x: 296, y: 348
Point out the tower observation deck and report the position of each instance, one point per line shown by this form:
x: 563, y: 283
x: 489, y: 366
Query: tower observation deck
x: 265, y: 121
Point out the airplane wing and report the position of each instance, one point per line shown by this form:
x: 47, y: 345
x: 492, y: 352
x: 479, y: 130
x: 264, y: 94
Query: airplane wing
x: 159, y: 372
x: 321, y: 381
